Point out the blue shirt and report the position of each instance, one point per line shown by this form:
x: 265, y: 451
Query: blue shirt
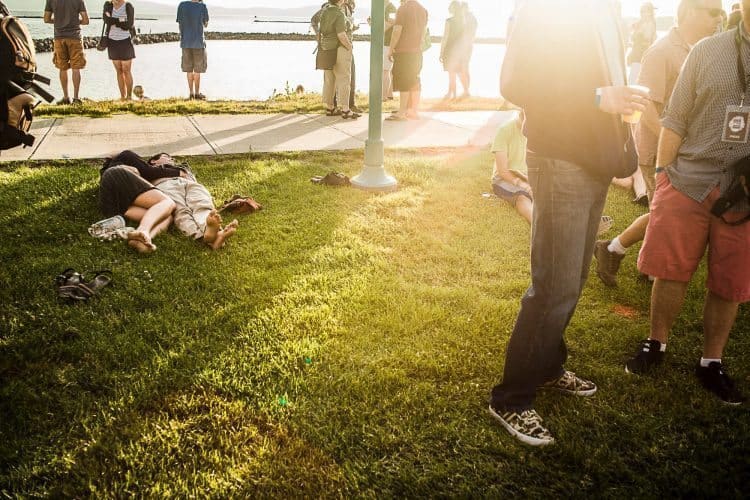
x: 192, y: 16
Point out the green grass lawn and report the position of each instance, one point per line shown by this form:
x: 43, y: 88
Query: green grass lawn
x: 343, y: 344
x: 287, y: 102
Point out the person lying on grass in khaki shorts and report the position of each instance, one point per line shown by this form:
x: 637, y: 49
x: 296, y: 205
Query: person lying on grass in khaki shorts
x: 195, y: 214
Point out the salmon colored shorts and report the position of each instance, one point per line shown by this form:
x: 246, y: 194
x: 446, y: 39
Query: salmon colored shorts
x: 680, y: 230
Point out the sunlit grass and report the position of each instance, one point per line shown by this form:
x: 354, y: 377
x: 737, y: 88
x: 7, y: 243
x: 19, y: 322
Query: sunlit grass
x: 343, y: 344
x: 283, y: 103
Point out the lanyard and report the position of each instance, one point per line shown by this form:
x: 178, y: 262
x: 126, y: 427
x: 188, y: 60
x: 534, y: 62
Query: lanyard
x: 740, y: 65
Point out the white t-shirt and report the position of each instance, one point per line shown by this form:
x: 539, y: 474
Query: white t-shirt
x: 116, y: 33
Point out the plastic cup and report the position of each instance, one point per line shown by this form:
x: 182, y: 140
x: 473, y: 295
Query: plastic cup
x: 635, y: 116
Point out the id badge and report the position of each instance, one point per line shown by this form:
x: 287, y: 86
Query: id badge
x: 736, y: 124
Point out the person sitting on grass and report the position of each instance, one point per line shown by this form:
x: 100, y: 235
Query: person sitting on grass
x: 509, y: 182
x: 509, y: 149
x: 194, y: 213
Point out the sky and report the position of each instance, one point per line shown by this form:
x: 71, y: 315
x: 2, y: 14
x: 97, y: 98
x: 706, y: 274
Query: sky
x: 482, y: 7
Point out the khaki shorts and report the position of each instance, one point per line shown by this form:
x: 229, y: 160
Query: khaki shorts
x: 194, y: 61
x: 69, y: 54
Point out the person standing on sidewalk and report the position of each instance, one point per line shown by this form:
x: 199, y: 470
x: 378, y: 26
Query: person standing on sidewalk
x: 571, y: 83
x: 704, y: 132
x: 406, y: 53
x: 659, y: 71
x: 337, y: 81
x: 192, y: 15
x: 68, y: 16
x: 119, y: 16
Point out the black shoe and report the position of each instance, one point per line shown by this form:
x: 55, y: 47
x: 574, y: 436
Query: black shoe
x: 715, y: 379
x: 607, y: 263
x: 641, y: 200
x: 648, y: 356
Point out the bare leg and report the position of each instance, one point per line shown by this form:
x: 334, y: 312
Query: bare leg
x: 524, y: 207
x: 225, y: 233
x: 76, y: 82
x: 128, y: 78
x: 625, y: 183
x: 161, y: 227
x: 197, y: 83
x: 414, y: 97
x: 64, y: 83
x: 666, y: 301
x: 635, y: 232
x: 451, y: 86
x: 718, y: 318
x: 158, y: 208
x: 213, y: 226
x: 190, y: 83
x: 120, y: 79
x: 465, y: 82
x: 403, y: 103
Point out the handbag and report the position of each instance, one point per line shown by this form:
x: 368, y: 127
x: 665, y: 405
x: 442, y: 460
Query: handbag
x: 326, y: 59
x: 104, y: 38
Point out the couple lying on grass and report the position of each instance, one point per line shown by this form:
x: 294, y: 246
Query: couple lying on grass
x: 154, y: 194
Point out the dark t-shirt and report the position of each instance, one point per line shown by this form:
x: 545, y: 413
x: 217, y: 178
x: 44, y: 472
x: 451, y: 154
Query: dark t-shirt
x: 192, y: 16
x: 412, y: 17
x: 65, y: 14
x: 332, y: 22
x: 390, y: 10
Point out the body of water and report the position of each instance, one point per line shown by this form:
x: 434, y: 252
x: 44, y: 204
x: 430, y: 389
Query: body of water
x: 38, y: 29
x: 244, y: 69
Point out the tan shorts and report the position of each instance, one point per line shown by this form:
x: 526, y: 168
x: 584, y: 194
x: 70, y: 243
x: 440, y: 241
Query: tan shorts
x: 69, y: 54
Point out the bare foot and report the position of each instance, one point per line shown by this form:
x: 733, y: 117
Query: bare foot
x: 140, y: 241
x: 140, y: 247
x: 225, y: 233
x: 213, y: 227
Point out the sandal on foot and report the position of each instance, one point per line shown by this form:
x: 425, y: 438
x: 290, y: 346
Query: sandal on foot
x: 333, y: 112
x: 350, y: 115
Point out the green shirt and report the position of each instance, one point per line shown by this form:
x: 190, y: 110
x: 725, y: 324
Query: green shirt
x: 511, y: 141
x: 332, y: 22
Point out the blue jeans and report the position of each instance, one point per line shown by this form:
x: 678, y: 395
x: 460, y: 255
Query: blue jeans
x: 568, y: 203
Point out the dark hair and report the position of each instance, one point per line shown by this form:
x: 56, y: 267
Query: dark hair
x: 156, y: 157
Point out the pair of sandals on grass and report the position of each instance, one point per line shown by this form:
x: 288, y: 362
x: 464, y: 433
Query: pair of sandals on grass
x: 73, y: 286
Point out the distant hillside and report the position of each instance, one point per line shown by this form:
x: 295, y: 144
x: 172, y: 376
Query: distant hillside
x: 146, y: 8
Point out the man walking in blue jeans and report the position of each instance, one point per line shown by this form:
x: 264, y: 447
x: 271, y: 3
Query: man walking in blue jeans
x: 192, y: 15
x: 571, y: 84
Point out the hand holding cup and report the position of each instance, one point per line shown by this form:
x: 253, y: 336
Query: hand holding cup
x: 627, y: 100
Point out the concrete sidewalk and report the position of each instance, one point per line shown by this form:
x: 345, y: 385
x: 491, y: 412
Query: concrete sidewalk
x: 77, y: 137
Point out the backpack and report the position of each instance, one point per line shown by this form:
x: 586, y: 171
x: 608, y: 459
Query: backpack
x: 18, y: 81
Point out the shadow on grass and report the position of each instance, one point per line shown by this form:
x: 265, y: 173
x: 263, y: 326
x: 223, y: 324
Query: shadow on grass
x: 87, y: 388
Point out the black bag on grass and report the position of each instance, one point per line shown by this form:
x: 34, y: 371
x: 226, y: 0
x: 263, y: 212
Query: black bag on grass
x: 18, y: 81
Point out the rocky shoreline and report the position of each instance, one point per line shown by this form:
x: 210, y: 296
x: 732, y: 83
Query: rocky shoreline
x: 90, y: 42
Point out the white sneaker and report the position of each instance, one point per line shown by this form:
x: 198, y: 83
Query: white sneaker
x: 525, y: 426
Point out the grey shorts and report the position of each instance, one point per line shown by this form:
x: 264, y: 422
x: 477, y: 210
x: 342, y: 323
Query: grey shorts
x: 194, y: 60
